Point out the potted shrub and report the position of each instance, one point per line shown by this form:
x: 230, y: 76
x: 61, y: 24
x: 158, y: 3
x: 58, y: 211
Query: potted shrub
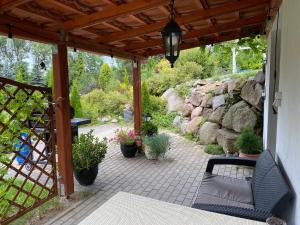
x: 88, y: 152
x: 156, y: 146
x: 129, y: 142
x: 249, y: 144
x: 149, y: 128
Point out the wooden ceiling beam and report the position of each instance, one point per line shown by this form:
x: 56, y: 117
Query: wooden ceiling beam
x: 204, y: 32
x: 197, y: 44
x: 111, y: 13
x: 199, y: 15
x: 6, y: 5
x: 30, y: 31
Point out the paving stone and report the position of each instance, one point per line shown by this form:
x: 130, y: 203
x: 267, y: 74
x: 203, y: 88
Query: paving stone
x: 175, y: 181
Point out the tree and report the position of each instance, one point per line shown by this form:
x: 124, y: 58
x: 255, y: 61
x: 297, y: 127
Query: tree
x: 22, y: 73
x: 75, y: 100
x: 104, y: 76
x: 51, y: 79
x: 146, y: 104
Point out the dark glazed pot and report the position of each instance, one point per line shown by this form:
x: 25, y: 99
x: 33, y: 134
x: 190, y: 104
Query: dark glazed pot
x: 86, y: 177
x: 129, y: 151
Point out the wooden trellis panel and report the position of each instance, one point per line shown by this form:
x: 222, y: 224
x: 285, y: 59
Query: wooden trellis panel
x: 28, y: 184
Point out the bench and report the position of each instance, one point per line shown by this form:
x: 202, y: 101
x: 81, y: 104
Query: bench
x: 265, y: 194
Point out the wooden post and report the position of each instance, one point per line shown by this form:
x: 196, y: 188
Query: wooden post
x: 137, y: 103
x: 63, y: 118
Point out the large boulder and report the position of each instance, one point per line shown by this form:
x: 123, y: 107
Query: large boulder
x: 207, y: 112
x: 193, y: 125
x: 226, y: 139
x: 260, y: 77
x: 252, y: 93
x: 239, y: 116
x: 196, y: 98
x: 196, y: 112
x: 175, y: 102
x: 221, y: 89
x: 206, y: 101
x: 187, y: 109
x: 208, y: 133
x: 177, y: 121
x: 218, y: 101
x: 217, y: 115
x: 235, y: 85
x: 183, y: 125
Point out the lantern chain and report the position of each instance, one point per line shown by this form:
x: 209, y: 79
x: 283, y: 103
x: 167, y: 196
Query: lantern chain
x: 171, y: 9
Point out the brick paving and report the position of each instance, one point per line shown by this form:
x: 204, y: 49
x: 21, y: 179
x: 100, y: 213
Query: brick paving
x: 173, y: 180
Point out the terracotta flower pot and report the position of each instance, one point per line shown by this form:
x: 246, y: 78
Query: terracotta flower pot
x: 249, y: 156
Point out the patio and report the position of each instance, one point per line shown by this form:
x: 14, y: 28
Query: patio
x: 174, y: 180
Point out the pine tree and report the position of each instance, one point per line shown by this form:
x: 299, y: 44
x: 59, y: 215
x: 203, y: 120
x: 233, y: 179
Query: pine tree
x: 126, y: 78
x: 75, y: 100
x: 19, y: 76
x: 146, y: 104
x: 37, y: 77
x: 50, y: 79
x: 104, y: 75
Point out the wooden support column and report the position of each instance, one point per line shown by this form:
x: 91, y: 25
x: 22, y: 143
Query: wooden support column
x: 137, y: 102
x: 63, y: 118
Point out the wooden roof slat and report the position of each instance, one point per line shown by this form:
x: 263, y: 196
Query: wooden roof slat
x: 111, y: 13
x: 27, y: 29
x: 9, y: 4
x: 204, y: 32
x: 199, y: 15
x: 215, y: 40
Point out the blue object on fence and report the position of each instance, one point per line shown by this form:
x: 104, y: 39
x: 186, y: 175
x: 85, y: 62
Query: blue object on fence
x: 23, y: 150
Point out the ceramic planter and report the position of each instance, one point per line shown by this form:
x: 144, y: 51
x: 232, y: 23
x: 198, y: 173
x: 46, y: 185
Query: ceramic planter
x: 129, y: 151
x: 86, y: 177
x: 149, y: 154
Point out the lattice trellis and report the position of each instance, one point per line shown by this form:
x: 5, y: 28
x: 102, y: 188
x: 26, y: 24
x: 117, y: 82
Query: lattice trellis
x: 27, y: 149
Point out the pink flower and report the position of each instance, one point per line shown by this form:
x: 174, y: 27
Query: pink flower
x: 139, y: 142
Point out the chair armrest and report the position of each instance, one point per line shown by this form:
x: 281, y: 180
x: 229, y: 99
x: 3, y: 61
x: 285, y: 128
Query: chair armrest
x: 229, y: 161
x: 251, y: 214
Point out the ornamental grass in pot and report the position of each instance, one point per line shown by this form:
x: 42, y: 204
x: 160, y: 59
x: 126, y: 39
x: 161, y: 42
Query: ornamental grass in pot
x: 249, y: 144
x: 129, y: 142
x: 156, y: 146
x: 88, y: 152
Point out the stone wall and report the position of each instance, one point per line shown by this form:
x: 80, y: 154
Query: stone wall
x: 216, y: 112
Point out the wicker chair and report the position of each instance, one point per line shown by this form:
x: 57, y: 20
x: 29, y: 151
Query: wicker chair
x: 266, y: 194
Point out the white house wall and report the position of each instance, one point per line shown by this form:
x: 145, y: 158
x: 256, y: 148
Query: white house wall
x: 288, y: 123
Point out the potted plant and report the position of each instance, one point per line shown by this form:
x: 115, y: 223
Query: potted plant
x: 249, y: 144
x: 129, y: 142
x: 88, y: 152
x: 156, y: 146
x: 149, y: 128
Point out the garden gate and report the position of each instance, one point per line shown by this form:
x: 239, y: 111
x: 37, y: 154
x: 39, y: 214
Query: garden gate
x: 27, y: 149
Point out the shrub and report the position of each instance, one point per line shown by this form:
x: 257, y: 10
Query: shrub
x: 158, y: 104
x: 214, y: 150
x: 104, y: 75
x: 88, y: 151
x: 183, y: 91
x: 146, y: 106
x: 164, y: 120
x: 99, y: 103
x: 248, y: 142
x: 75, y: 100
x: 159, y: 83
x: 149, y: 128
x: 158, y: 144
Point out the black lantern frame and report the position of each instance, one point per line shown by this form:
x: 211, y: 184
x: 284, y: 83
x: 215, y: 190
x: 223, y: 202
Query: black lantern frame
x: 172, y: 36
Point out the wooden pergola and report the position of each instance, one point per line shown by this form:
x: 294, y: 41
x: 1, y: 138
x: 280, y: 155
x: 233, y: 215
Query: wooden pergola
x: 129, y: 29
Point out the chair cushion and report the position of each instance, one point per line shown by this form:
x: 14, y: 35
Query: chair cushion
x: 221, y: 190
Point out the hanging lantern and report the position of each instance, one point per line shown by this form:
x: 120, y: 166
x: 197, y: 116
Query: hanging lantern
x: 10, y: 42
x: 172, y: 35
